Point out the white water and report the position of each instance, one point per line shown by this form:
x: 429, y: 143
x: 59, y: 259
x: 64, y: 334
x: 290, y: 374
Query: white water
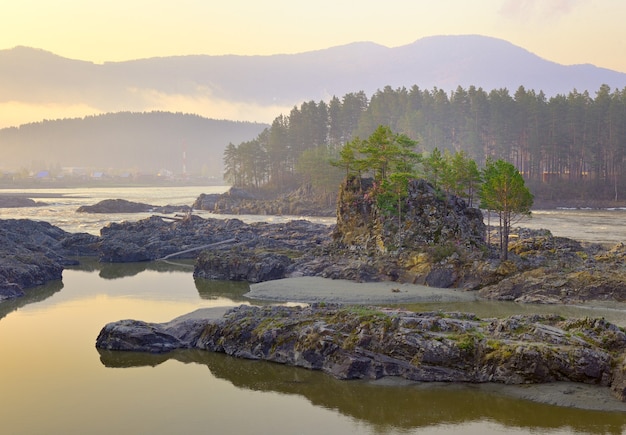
x: 601, y: 226
x: 63, y: 203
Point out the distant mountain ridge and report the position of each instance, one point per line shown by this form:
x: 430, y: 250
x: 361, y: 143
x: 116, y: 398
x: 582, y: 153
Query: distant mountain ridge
x: 139, y: 132
x: 284, y: 80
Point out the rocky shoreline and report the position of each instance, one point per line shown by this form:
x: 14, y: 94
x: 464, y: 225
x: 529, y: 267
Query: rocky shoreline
x: 361, y: 247
x: 440, y: 244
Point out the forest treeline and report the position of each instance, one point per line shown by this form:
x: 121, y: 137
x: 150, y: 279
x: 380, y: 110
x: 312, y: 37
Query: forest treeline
x: 566, y: 146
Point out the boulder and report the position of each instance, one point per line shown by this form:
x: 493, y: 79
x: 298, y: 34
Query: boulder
x: 33, y: 253
x: 241, y: 264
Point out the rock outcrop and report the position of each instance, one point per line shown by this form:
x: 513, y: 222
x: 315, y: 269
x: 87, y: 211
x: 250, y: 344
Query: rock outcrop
x: 153, y: 238
x: 33, y: 253
x: 125, y: 206
x: 429, y: 219
x: 436, y: 240
x: 301, y: 202
x: 361, y: 342
x: 548, y: 269
x: 17, y: 201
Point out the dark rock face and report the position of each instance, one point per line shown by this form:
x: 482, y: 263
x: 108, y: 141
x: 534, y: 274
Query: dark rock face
x: 434, y: 241
x: 428, y: 220
x: 124, y: 206
x: 241, y: 265
x: 362, y: 342
x: 33, y: 253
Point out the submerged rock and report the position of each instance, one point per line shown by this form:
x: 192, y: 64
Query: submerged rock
x: 359, y: 342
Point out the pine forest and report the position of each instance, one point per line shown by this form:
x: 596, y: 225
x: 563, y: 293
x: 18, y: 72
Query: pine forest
x: 566, y: 146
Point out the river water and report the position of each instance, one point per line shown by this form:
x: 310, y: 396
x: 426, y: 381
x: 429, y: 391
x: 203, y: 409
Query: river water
x: 54, y: 380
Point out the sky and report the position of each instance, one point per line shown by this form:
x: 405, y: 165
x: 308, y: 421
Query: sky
x: 564, y: 31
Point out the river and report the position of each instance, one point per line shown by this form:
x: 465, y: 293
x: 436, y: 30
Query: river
x: 54, y: 380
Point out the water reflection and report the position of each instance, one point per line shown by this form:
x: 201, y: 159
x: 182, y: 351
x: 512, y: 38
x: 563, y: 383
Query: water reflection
x: 76, y: 382
x: 212, y: 289
x: 385, y: 406
x: 31, y: 295
x: 122, y: 270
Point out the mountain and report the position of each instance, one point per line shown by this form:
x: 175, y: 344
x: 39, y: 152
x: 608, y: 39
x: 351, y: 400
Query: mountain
x: 118, y: 142
x: 35, y: 76
x: 235, y: 87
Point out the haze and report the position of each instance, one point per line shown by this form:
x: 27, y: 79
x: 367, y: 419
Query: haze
x: 564, y: 31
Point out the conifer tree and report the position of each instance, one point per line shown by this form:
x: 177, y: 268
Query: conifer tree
x: 504, y: 192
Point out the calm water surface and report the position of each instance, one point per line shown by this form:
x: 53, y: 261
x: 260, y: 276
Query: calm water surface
x: 54, y: 380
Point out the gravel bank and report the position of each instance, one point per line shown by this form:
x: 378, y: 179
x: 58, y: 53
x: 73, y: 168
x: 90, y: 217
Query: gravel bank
x: 315, y: 289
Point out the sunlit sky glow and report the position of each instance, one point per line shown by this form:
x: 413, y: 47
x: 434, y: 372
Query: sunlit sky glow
x: 565, y: 31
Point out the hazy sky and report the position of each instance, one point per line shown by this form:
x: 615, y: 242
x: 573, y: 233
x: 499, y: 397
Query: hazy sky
x: 564, y: 31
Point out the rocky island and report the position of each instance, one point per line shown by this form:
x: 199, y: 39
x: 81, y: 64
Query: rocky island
x: 359, y: 342
x: 440, y: 243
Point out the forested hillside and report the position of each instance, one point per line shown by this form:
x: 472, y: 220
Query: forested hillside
x: 566, y: 146
x: 124, y: 142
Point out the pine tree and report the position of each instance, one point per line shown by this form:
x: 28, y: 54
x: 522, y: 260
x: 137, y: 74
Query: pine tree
x: 504, y: 191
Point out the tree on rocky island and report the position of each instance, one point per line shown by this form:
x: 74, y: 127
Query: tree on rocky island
x: 504, y: 191
x: 390, y: 159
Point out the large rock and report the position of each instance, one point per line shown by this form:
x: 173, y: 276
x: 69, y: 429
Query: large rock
x: 125, y: 206
x: 435, y: 241
x: 548, y: 269
x: 361, y: 342
x: 301, y: 202
x: 429, y: 219
x: 17, y: 201
x: 33, y: 253
x: 241, y: 264
x: 153, y: 238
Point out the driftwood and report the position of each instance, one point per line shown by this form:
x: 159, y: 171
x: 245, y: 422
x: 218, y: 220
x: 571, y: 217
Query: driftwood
x: 223, y: 242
